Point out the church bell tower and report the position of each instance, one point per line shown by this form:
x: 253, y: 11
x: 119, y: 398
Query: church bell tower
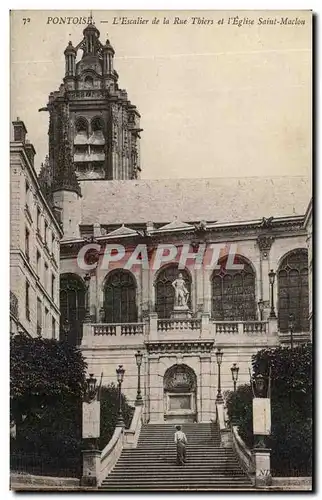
x: 94, y: 130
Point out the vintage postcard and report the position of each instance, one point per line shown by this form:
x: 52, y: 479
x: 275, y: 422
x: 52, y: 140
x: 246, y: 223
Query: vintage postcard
x: 161, y: 250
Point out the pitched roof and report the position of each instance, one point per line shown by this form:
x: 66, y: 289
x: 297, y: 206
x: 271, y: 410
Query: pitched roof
x: 189, y: 200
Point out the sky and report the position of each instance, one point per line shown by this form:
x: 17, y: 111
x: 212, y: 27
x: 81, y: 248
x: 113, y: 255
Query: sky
x: 216, y: 100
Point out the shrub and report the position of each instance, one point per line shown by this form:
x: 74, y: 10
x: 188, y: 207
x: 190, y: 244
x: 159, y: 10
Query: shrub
x: 291, y: 406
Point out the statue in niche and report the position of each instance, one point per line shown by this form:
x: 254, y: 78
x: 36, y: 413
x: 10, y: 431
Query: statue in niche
x: 181, y: 292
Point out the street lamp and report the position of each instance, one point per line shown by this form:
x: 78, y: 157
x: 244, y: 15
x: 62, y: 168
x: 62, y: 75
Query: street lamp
x: 291, y: 326
x: 234, y: 373
x: 87, y: 279
x: 90, y: 388
x: 259, y: 385
x: 261, y: 308
x: 139, y: 357
x: 219, y: 354
x: 271, y: 276
x: 120, y: 376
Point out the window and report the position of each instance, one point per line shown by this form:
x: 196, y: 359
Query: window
x: 38, y: 219
x: 46, y: 326
x: 38, y: 263
x: 165, y: 291
x: 53, y: 249
x: 46, y: 231
x: 27, y: 290
x: 27, y: 243
x: 39, y: 316
x: 53, y: 327
x: 27, y: 193
x: 293, y: 291
x: 72, y: 308
x: 53, y: 286
x: 46, y: 277
x: 233, y: 292
x: 120, y: 297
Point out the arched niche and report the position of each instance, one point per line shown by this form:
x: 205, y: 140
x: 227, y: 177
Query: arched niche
x: 180, y: 393
x: 164, y: 291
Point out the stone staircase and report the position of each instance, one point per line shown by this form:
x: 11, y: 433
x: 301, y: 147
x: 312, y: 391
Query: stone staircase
x: 152, y: 465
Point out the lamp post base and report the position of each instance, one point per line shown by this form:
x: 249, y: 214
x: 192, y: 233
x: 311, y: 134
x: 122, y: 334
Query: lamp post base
x: 139, y: 401
x: 120, y: 421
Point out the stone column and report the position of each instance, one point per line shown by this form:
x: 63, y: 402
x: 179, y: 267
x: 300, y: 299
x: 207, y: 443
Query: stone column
x: 145, y: 290
x: 93, y: 297
x: 199, y: 290
x: 156, y: 392
x: 264, y: 243
x: 205, y: 387
x: 207, y: 290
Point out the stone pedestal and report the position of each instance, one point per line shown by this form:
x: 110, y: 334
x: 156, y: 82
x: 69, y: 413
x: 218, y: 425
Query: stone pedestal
x: 181, y: 313
x: 91, y: 467
x: 262, y: 463
x: 226, y: 438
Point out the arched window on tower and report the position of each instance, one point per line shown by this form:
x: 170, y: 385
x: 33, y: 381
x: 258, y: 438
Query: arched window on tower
x: 120, y: 297
x: 233, y: 292
x: 89, y: 82
x: 72, y: 308
x: 81, y: 131
x: 164, y: 291
x: 293, y: 291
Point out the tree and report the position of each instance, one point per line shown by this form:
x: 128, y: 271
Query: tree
x: 109, y: 411
x: 47, y: 379
x: 43, y: 373
x: 291, y: 406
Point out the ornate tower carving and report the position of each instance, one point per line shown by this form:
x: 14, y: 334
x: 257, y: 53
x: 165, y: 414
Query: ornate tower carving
x: 94, y: 130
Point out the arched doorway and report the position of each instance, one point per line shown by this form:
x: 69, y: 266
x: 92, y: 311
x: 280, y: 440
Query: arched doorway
x: 120, y: 297
x: 233, y: 291
x: 180, y: 394
x: 293, y: 291
x: 164, y: 291
x: 72, y: 308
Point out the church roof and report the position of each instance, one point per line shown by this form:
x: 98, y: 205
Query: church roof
x: 190, y: 200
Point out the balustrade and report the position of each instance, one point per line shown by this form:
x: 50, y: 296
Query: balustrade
x: 165, y: 325
x: 118, y: 328
x: 226, y: 327
x: 104, y: 329
x: 132, y: 329
x: 255, y: 327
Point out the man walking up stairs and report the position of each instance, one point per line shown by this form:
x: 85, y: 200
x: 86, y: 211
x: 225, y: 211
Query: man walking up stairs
x: 152, y: 465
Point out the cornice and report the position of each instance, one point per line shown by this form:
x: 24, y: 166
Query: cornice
x: 183, y: 346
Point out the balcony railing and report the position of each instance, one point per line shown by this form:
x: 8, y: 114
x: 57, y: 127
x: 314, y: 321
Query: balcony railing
x: 118, y: 328
x: 255, y: 327
x: 226, y: 326
x: 165, y: 325
x: 237, y: 327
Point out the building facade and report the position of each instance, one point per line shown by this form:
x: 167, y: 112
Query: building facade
x: 34, y: 246
x: 235, y: 250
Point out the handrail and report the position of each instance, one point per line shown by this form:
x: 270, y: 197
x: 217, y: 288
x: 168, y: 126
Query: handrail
x: 132, y: 434
x: 244, y: 455
x: 111, y: 453
x: 220, y: 416
x: 121, y: 439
